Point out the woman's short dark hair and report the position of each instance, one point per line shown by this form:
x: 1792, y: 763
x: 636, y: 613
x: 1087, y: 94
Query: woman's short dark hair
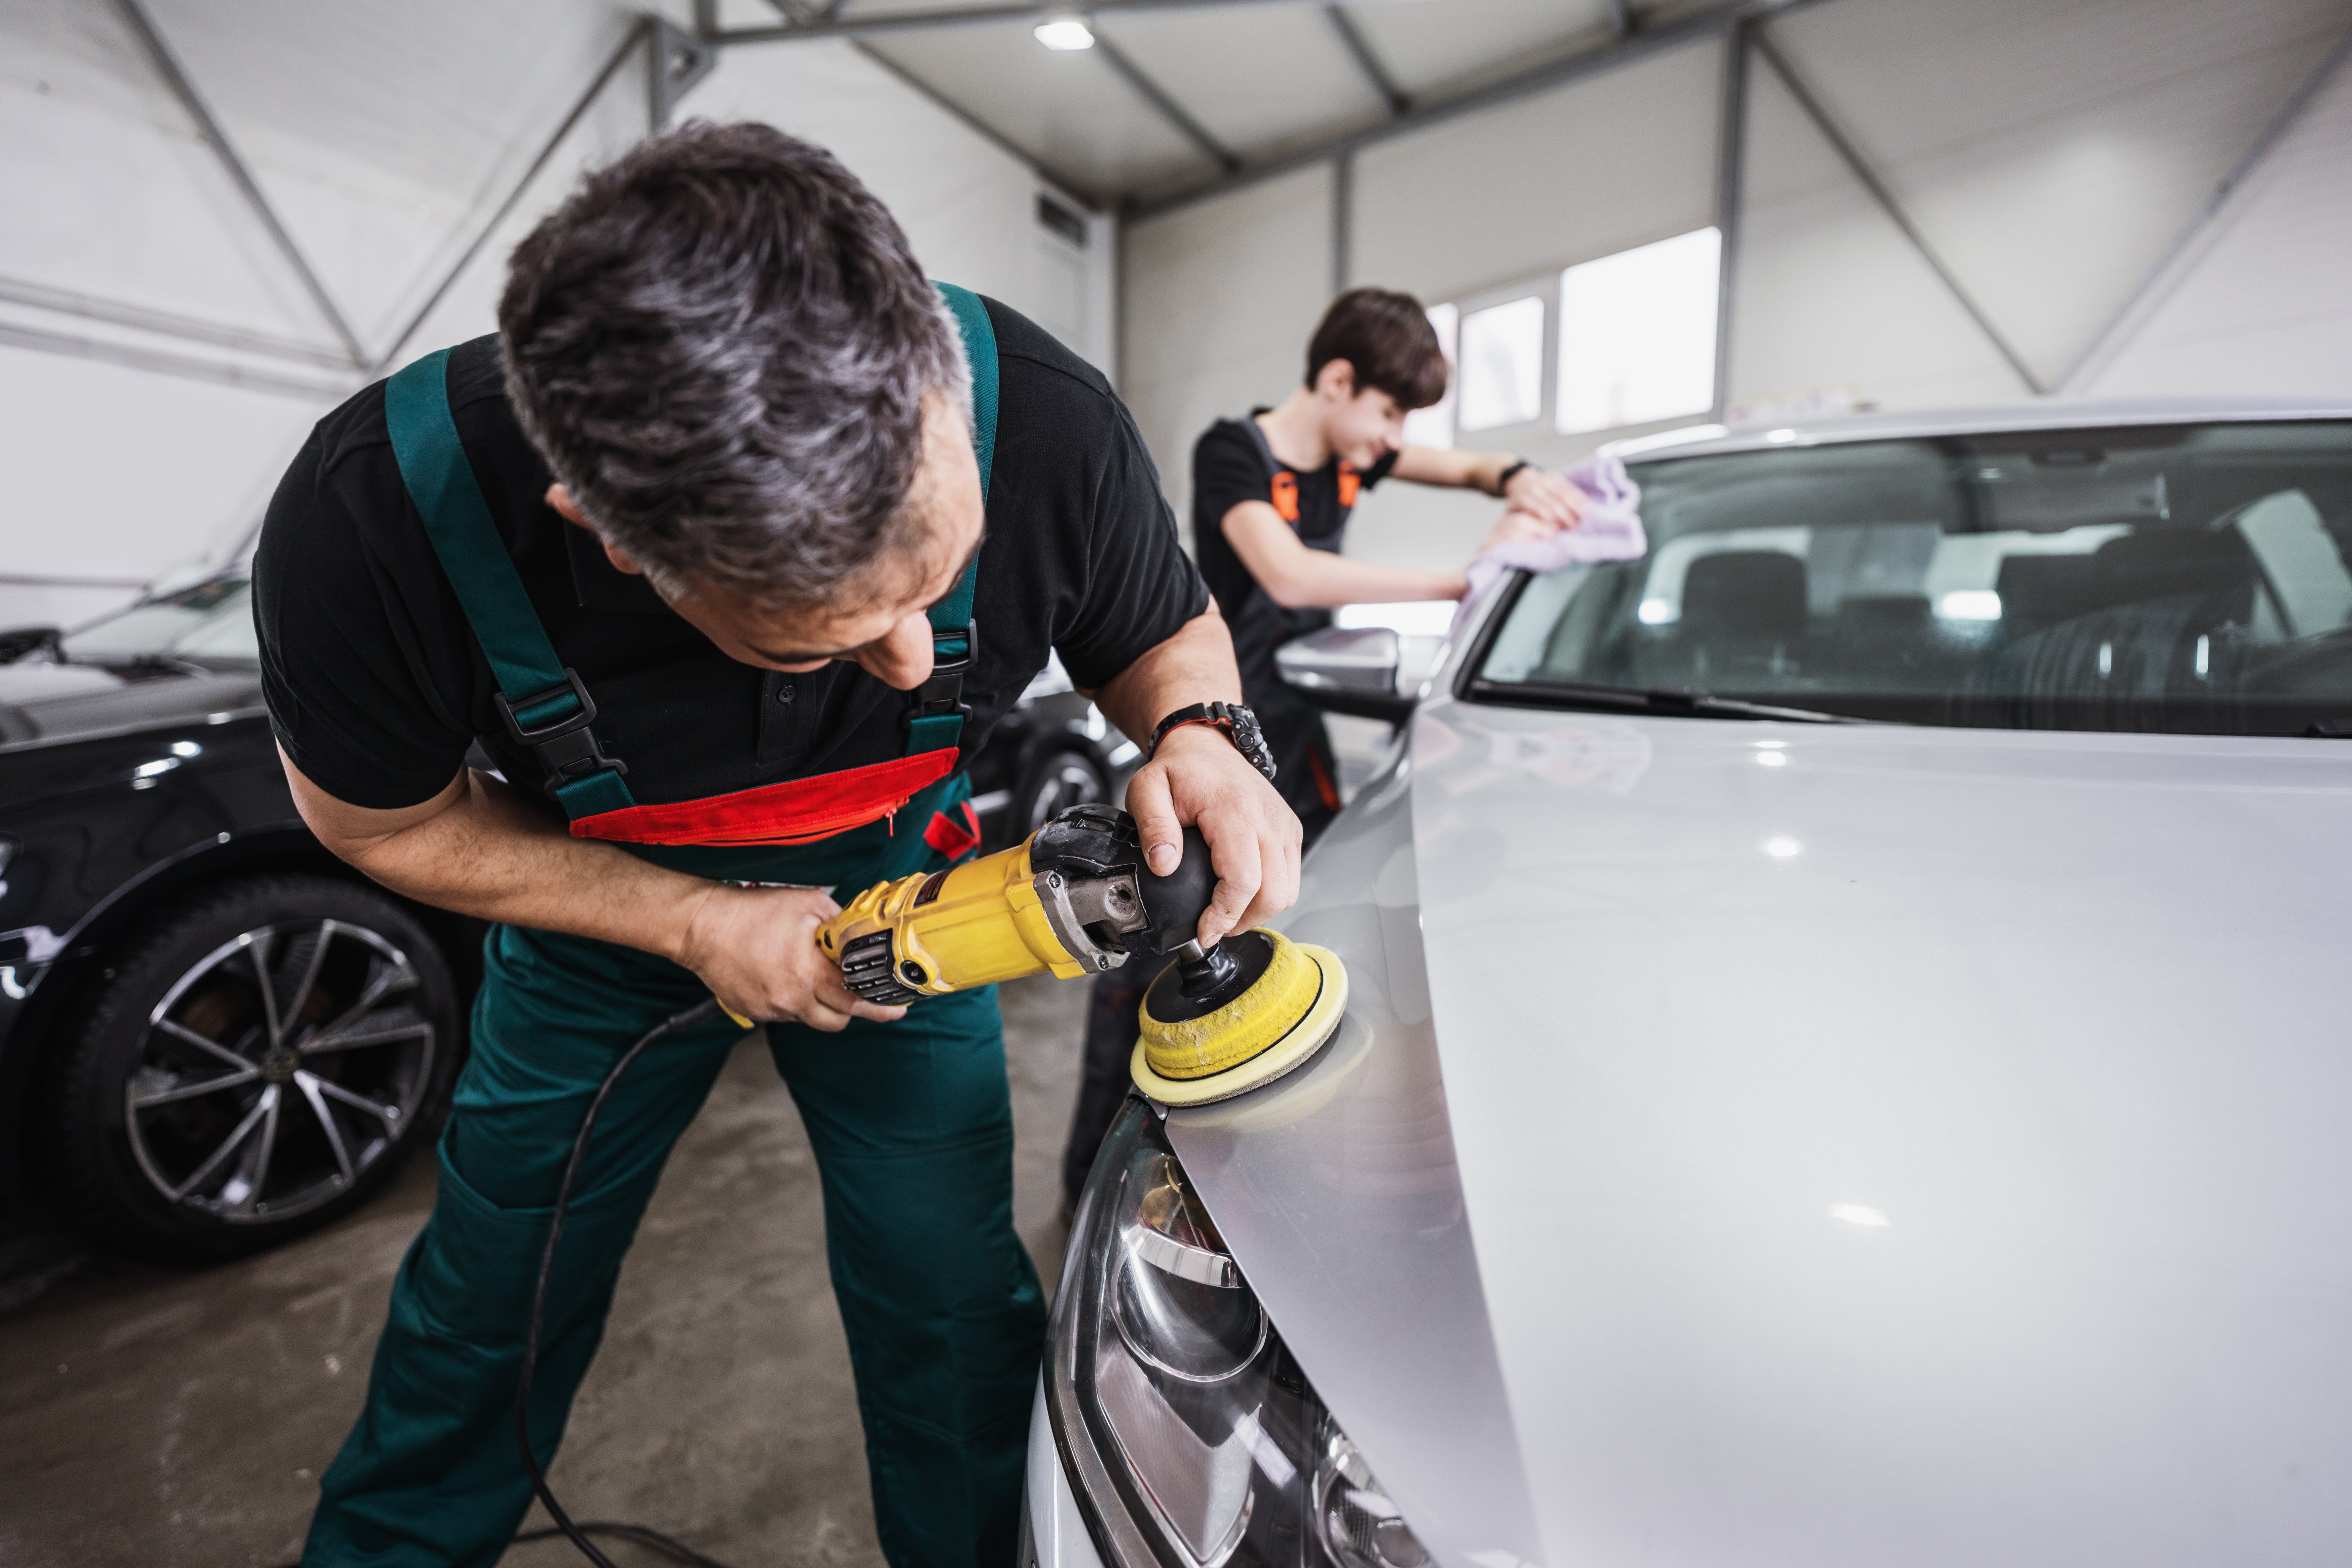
x: 721, y: 344
x: 1387, y: 338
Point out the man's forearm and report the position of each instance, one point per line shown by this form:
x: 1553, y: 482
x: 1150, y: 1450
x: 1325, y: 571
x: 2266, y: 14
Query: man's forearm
x: 484, y: 852
x: 1322, y: 581
x: 1453, y: 467
x: 1196, y: 665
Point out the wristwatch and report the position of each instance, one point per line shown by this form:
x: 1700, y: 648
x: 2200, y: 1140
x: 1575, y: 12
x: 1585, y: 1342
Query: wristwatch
x: 1234, y: 719
x: 1503, y: 481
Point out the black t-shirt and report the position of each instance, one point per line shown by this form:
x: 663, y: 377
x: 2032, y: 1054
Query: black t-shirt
x: 377, y: 685
x: 1232, y: 464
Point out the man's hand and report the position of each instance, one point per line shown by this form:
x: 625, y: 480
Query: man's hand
x: 756, y: 949
x: 1547, y: 499
x: 1197, y: 777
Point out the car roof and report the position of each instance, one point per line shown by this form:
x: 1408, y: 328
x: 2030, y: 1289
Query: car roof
x: 1698, y: 440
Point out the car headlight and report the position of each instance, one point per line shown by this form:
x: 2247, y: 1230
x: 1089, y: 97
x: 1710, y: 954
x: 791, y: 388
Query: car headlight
x: 1192, y: 1437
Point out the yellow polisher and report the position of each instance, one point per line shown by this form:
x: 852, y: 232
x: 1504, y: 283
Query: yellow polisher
x: 1076, y: 898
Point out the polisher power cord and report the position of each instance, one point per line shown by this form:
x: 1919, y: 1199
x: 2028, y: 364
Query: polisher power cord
x: 578, y: 1534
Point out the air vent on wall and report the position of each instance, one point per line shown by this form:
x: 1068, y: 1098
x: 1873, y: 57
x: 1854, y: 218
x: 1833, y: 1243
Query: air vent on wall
x: 1053, y: 215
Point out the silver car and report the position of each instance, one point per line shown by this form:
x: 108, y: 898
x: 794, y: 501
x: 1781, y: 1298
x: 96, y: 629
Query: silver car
x: 1845, y: 1065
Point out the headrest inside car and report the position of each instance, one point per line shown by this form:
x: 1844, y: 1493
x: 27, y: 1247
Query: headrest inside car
x: 1748, y: 594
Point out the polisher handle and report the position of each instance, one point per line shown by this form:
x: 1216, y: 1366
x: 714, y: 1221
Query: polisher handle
x: 1177, y: 901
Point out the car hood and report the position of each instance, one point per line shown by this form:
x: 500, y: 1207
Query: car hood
x: 1927, y: 1147
x: 45, y: 701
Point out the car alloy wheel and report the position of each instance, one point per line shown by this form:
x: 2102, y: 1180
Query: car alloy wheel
x: 279, y: 1071
x: 253, y: 1063
x: 1064, y: 779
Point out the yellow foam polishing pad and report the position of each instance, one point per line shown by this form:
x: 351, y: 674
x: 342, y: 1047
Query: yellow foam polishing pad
x: 1272, y: 1026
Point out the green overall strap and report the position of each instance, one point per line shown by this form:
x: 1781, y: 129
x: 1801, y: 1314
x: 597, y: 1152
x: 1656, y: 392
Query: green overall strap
x: 935, y: 720
x: 543, y: 701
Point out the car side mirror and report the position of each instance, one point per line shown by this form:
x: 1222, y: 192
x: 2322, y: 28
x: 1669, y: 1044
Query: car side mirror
x: 1354, y: 670
x: 21, y: 642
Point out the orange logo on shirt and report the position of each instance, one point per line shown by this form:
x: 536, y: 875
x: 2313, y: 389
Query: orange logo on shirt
x: 1348, y: 484
x: 1286, y: 495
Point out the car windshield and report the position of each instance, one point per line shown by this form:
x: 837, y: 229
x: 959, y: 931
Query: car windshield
x: 210, y: 624
x: 2174, y: 578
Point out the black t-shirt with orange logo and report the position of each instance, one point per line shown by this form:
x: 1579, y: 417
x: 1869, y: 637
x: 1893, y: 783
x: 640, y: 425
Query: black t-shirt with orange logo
x: 1232, y: 464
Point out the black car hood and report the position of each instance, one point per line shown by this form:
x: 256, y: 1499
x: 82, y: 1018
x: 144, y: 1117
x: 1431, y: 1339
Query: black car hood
x: 48, y: 702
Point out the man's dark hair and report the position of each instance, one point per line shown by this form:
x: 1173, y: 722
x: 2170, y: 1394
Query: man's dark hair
x: 721, y: 344
x: 1387, y: 338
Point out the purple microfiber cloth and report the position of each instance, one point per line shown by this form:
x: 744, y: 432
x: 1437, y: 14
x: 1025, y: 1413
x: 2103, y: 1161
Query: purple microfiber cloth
x: 1611, y: 531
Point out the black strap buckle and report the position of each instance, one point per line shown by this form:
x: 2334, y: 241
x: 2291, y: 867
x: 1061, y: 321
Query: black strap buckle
x: 568, y: 750
x: 942, y: 693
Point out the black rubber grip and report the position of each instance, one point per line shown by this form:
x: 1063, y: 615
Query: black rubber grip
x: 1176, y: 902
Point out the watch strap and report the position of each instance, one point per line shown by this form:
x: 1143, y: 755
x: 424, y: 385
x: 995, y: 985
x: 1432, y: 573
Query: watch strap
x: 1235, y: 719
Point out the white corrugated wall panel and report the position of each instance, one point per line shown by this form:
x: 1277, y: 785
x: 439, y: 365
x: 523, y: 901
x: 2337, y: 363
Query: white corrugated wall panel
x: 1220, y: 298
x: 2262, y: 306
x: 1603, y: 165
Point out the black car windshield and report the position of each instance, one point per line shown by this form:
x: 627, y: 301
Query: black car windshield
x: 208, y: 625
x: 2176, y: 578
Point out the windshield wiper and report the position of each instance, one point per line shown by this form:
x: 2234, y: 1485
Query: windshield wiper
x: 1689, y: 702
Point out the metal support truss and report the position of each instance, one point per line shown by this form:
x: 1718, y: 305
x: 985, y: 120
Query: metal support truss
x: 1170, y: 110
x: 1884, y: 196
x: 675, y: 61
x: 835, y: 25
x: 1730, y: 194
x: 1639, y: 44
x: 804, y: 14
x: 1343, y: 221
x: 2271, y: 134
x: 637, y: 34
x: 183, y: 87
x: 1375, y: 71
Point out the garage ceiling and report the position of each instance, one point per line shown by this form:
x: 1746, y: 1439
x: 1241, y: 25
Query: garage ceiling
x: 1180, y: 96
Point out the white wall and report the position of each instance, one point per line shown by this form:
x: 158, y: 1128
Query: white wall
x: 2049, y: 152
x: 385, y: 138
x: 1221, y: 298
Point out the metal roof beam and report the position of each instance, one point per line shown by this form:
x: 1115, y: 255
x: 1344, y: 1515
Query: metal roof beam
x: 802, y: 15
x: 641, y: 33
x: 1170, y: 110
x: 1626, y: 50
x: 183, y: 87
x: 839, y: 25
x: 1361, y: 48
x: 1730, y: 196
x: 2269, y: 138
x: 1885, y: 196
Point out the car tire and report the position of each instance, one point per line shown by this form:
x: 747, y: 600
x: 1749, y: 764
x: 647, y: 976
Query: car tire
x: 253, y: 1065
x: 1054, y: 781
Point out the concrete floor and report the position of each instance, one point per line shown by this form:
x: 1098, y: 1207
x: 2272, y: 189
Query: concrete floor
x: 154, y: 1418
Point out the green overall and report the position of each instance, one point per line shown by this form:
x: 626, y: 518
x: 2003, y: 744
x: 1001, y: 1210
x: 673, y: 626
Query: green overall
x: 910, y: 1121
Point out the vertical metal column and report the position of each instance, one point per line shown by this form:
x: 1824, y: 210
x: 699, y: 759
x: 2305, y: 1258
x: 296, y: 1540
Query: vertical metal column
x: 1730, y: 179
x: 1343, y: 219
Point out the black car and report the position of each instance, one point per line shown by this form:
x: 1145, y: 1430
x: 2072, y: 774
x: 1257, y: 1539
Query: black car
x: 1053, y: 751
x: 214, y: 1035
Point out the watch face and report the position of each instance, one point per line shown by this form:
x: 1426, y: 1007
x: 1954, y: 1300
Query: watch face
x: 1251, y: 740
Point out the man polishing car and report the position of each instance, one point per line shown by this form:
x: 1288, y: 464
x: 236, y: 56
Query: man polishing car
x: 726, y: 548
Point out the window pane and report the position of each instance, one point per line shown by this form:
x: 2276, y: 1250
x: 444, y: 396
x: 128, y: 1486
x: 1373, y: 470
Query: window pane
x: 1637, y: 334
x: 1434, y: 426
x: 1502, y: 364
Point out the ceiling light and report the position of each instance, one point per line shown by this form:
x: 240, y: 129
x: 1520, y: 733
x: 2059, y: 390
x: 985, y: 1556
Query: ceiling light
x: 1066, y: 33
